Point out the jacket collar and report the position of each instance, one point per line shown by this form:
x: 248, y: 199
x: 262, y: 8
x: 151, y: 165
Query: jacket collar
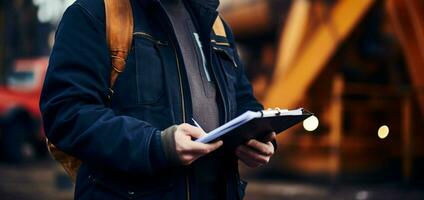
x: 204, y: 12
x: 208, y: 4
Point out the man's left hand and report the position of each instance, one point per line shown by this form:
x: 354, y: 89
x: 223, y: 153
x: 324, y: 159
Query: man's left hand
x: 256, y: 153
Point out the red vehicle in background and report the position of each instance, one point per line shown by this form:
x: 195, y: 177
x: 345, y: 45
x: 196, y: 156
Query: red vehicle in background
x: 21, y: 133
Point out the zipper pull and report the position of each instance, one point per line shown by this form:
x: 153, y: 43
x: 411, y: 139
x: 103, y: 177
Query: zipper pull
x: 161, y: 43
x: 150, y: 38
x: 234, y: 62
x: 231, y: 57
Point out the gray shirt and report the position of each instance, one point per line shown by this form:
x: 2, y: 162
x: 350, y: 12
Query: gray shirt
x: 202, y: 88
x: 208, y: 179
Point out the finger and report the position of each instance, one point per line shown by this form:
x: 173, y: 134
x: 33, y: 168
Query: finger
x: 192, y: 131
x: 246, y: 159
x: 253, y: 155
x: 202, y: 149
x: 187, y: 159
x: 211, y: 146
x: 270, y: 137
x: 263, y: 148
x: 215, y: 145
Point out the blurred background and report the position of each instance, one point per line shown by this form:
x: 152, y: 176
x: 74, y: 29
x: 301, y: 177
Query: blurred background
x: 357, y: 64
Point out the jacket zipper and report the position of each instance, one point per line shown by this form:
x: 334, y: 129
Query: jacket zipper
x: 182, y: 108
x: 180, y: 82
x: 150, y: 38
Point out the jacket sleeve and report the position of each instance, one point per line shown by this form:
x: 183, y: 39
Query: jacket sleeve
x: 74, y: 96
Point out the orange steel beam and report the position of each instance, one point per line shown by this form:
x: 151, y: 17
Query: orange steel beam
x: 336, y: 127
x: 293, y: 34
x: 287, y: 90
x: 408, y: 22
x: 249, y: 18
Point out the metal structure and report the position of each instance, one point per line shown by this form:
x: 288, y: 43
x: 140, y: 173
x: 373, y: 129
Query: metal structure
x: 305, y: 55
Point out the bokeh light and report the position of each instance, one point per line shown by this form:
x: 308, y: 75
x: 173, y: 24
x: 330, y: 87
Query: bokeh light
x: 383, y: 132
x: 311, y: 123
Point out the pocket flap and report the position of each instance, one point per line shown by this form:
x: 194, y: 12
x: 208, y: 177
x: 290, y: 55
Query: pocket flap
x: 225, y: 52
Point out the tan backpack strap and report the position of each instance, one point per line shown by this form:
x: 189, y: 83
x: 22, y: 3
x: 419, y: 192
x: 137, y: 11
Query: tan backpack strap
x: 218, y: 27
x: 119, y: 32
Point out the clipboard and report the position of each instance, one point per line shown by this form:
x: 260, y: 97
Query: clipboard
x: 255, y: 125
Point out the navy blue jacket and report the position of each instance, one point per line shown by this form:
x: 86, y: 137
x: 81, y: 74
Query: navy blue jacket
x: 118, y: 140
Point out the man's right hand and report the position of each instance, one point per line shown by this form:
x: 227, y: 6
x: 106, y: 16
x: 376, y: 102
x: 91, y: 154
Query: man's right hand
x: 187, y: 149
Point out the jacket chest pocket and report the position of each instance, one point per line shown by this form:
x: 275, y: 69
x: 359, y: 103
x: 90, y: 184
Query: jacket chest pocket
x: 149, y: 68
x: 228, y: 64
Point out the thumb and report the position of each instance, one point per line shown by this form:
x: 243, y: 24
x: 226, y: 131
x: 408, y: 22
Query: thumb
x: 195, y: 132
